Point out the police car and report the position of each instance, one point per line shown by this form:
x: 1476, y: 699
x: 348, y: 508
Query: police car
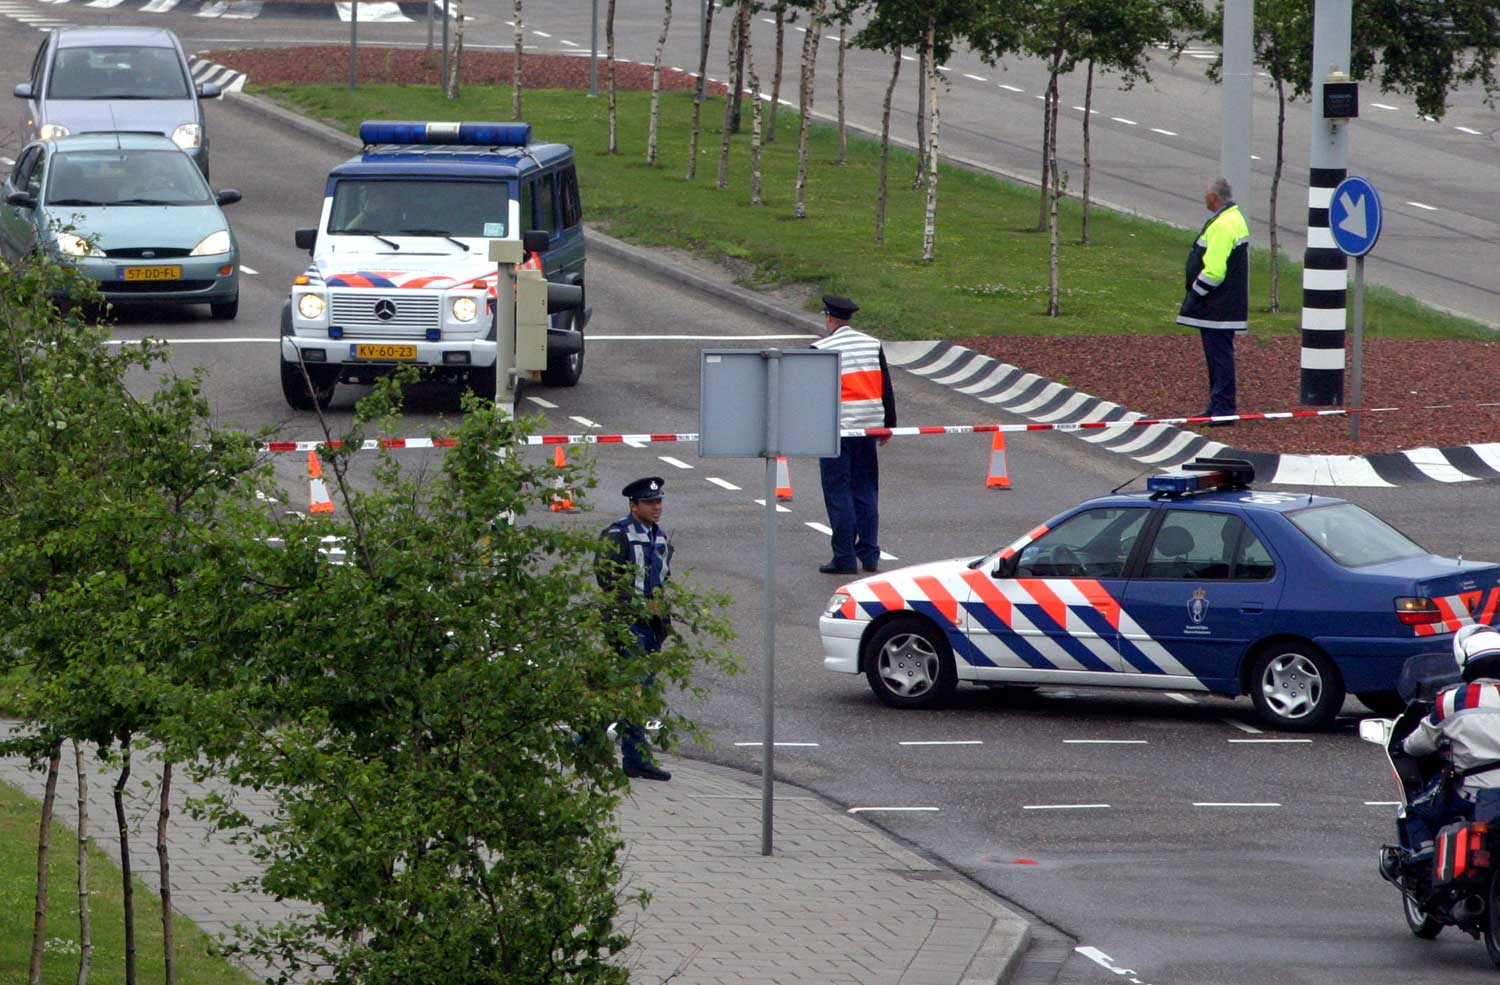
x: 1201, y: 583
x: 401, y: 272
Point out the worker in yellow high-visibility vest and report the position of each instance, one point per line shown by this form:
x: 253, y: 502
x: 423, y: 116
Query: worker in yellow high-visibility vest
x: 1217, y: 302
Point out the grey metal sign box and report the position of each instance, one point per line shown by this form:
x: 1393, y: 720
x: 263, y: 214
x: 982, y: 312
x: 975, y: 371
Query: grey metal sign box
x: 732, y: 402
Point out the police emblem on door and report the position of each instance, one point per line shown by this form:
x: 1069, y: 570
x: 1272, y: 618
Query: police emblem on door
x: 1198, y: 606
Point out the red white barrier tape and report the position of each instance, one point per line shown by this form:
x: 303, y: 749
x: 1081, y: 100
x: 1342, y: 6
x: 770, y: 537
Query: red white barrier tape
x: 369, y: 445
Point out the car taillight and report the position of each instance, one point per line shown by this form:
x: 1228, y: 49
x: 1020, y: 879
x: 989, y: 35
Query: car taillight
x: 1418, y: 611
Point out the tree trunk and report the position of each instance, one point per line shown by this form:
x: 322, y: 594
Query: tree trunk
x: 697, y: 128
x: 1088, y: 106
x: 458, y: 49
x: 843, y: 137
x: 755, y: 120
x: 43, y: 846
x: 515, y: 85
x: 1047, y: 117
x: 661, y: 42
x: 1275, y: 186
x: 128, y: 880
x: 929, y: 223
x: 916, y: 181
x: 609, y: 74
x: 85, y: 922
x: 776, y: 73
x: 885, y: 149
x: 1052, y: 271
x: 725, y: 130
x: 805, y: 106
x: 737, y: 69
x: 164, y: 867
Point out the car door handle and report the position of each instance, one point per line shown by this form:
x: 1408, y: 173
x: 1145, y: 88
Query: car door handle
x: 1252, y: 608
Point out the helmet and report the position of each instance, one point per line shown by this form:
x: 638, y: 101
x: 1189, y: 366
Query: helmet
x: 1476, y: 649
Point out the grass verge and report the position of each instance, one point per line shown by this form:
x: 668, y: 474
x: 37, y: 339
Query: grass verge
x: 197, y: 964
x: 990, y: 272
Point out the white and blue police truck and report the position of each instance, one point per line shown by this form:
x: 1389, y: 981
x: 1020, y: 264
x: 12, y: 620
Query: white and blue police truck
x: 400, y: 273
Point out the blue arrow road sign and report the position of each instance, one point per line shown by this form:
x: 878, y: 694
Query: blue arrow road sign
x: 1354, y: 216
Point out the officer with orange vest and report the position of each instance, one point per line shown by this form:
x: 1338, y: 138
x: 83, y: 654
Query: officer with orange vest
x: 851, y: 481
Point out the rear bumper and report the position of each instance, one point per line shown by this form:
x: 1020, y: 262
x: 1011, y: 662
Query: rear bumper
x: 1373, y: 664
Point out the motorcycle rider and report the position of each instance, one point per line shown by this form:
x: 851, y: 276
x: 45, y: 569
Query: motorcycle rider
x: 1465, y: 724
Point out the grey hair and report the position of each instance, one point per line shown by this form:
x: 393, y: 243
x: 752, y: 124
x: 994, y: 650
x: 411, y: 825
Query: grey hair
x: 1221, y: 188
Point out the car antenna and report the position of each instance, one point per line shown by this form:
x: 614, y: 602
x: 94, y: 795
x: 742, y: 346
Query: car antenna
x: 1135, y: 478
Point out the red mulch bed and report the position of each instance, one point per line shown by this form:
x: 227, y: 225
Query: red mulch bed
x: 408, y: 66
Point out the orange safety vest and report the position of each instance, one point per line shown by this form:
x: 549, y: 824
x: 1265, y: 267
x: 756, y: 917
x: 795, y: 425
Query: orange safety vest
x: 861, y: 383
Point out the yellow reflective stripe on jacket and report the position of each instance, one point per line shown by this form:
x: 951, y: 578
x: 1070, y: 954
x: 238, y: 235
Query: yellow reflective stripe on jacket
x: 1226, y: 232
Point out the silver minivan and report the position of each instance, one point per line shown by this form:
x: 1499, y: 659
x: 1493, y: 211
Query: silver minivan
x: 112, y: 79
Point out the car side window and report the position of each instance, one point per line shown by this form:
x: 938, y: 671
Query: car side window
x: 37, y: 65
x: 34, y: 177
x: 1193, y: 545
x: 1254, y: 562
x: 21, y: 174
x: 1092, y: 544
x: 528, y: 206
x: 546, y: 204
x: 572, y: 208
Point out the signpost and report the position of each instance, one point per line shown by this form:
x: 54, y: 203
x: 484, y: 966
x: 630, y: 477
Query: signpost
x: 765, y: 404
x: 1354, y: 219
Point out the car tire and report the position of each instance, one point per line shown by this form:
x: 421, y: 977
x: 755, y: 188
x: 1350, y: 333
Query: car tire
x: 1385, y: 704
x: 1295, y: 687
x: 565, y: 369
x: 294, y: 387
x: 909, y: 664
x: 225, y: 310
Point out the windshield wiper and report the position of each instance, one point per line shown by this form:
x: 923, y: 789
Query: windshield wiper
x: 436, y: 232
x: 132, y: 95
x: 74, y: 201
x: 147, y: 201
x: 369, y: 232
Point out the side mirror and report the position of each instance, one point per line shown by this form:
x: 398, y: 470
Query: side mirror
x: 1004, y: 567
x: 305, y: 239
x: 23, y: 91
x: 1377, y: 730
x: 229, y: 196
x: 21, y: 200
x: 536, y: 241
x: 209, y: 90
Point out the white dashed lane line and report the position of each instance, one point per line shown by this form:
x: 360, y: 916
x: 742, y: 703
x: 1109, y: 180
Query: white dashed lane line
x: 570, y: 44
x: 976, y: 78
x: 1235, y: 803
x: 1242, y: 726
x: 583, y: 421
x: 1165, y: 133
x: 820, y: 528
x: 1420, y: 205
x: 722, y: 483
x: 675, y: 463
x: 1276, y: 741
x: 945, y: 742
x: 543, y: 403
x: 1121, y: 119
x: 1382, y: 803
x: 1476, y: 133
x: 1105, y: 742
x: 1385, y: 106
x: 779, y: 508
x: 1064, y: 807
x: 795, y: 745
x: 922, y: 810
x: 541, y: 34
x: 250, y: 270
x: 1011, y: 88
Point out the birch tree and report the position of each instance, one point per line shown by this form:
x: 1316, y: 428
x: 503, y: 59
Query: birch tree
x: 661, y: 42
x: 885, y: 147
x: 778, y: 10
x: 921, y: 172
x: 85, y: 916
x: 726, y: 130
x: 929, y: 219
x: 609, y: 74
x: 451, y: 83
x: 698, y: 90
x: 515, y: 84
x: 755, y: 119
x: 839, y: 88
x: 805, y: 99
x: 43, y: 865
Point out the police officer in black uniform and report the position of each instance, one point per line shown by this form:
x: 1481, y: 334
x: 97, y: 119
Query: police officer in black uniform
x: 633, y: 562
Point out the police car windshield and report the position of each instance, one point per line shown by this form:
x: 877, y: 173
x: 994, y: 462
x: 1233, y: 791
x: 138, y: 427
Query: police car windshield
x: 1353, y: 537
x: 415, y: 206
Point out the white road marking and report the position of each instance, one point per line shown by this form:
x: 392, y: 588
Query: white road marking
x: 798, y: 745
x: 907, y: 58
x: 1105, y: 961
x: 1064, y: 807
x: 1011, y: 88
x: 225, y: 341
x: 1105, y: 742
x: 722, y: 483
x: 633, y: 443
x: 944, y: 68
x: 1121, y: 119
x: 1231, y: 803
x: 1382, y: 803
x: 250, y: 270
x: 976, y: 78
x: 543, y: 403
x: 888, y: 557
x: 1093, y: 112
x: 541, y: 34
x: 819, y: 527
x: 1272, y: 740
x: 1429, y: 208
x: 1166, y: 133
x: 779, y: 507
x: 584, y: 421
x: 862, y: 810
x: 948, y: 742
x: 1242, y: 726
x: 1181, y: 697
x: 675, y: 463
x: 1476, y: 133
x: 1384, y: 106
x: 695, y: 338
x: 6, y: 161
x: 570, y: 44
x: 1254, y: 157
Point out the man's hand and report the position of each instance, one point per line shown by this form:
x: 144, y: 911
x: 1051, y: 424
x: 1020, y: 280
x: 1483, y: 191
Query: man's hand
x: 881, y: 441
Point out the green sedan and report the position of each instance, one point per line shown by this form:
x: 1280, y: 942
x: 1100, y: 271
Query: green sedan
x: 129, y: 210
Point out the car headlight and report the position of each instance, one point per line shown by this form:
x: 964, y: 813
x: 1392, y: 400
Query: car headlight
x: 51, y: 131
x: 77, y: 246
x: 189, y: 136
x: 465, y: 309
x: 213, y: 243
x: 311, y: 306
x: 836, y: 603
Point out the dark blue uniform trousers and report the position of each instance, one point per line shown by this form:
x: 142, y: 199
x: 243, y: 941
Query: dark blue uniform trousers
x: 851, y: 492
x: 1218, y: 352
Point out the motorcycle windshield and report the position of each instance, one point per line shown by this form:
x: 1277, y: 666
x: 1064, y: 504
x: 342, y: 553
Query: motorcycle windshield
x: 1424, y: 675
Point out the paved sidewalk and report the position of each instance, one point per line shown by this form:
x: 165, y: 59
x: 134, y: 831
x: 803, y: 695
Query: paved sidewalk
x: 837, y: 904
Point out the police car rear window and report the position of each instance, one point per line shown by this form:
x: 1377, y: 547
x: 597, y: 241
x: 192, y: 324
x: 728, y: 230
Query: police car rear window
x: 1354, y: 537
x: 418, y: 207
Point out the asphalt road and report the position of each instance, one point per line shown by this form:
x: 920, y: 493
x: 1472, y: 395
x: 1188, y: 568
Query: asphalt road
x: 1175, y: 891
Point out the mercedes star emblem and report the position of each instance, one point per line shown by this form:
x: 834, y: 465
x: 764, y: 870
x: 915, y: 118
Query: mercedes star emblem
x: 385, y: 309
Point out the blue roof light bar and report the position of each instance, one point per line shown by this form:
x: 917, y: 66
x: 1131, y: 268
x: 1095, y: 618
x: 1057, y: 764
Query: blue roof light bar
x: 445, y: 134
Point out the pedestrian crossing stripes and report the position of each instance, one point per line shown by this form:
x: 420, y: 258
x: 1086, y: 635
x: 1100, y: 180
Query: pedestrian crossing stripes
x: 404, y: 12
x: 207, y: 72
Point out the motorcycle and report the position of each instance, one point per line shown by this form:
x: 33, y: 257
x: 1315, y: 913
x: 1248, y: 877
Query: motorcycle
x: 1459, y: 886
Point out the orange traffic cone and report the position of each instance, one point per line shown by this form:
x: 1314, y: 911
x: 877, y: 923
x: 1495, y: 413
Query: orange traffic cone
x: 317, y: 493
x: 998, y: 478
x: 562, y: 500
x: 783, y: 478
